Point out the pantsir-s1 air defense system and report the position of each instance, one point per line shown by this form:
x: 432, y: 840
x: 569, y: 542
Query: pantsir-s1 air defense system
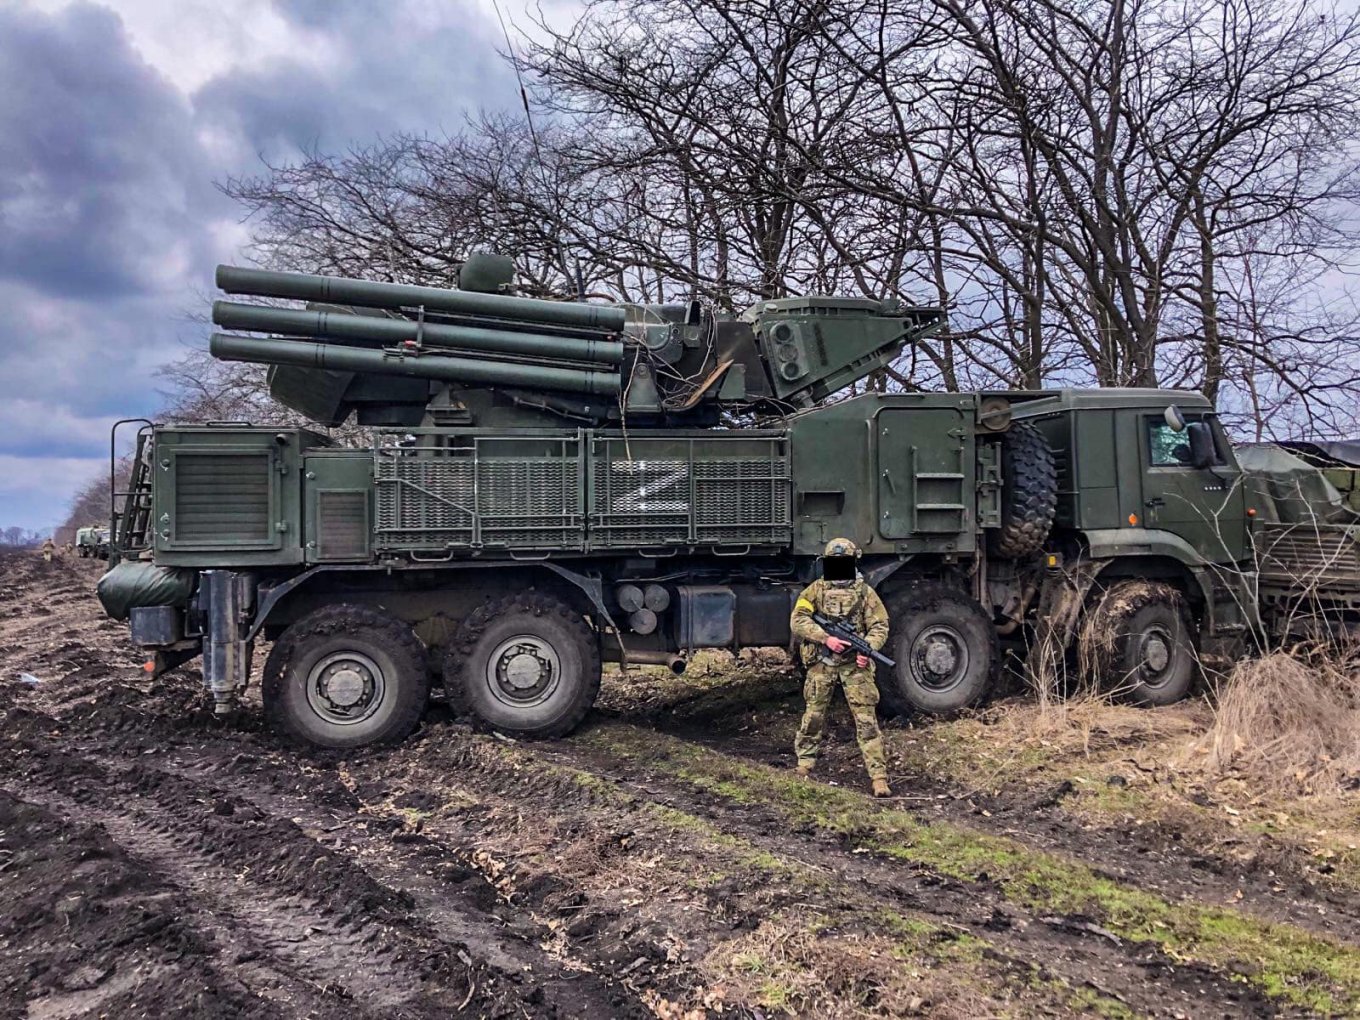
x: 549, y: 485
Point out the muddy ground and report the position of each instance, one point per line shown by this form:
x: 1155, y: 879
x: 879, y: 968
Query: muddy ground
x: 664, y: 861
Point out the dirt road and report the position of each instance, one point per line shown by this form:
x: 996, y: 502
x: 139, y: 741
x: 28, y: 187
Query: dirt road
x: 662, y: 862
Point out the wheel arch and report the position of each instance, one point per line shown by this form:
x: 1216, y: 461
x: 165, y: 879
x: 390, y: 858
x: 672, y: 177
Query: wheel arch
x: 1191, y: 583
x: 281, y: 604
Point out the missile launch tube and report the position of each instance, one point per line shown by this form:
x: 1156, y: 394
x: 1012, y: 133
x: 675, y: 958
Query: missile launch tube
x: 370, y: 293
x: 376, y: 329
x: 307, y: 354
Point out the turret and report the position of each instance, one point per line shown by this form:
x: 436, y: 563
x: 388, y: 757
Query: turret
x: 397, y: 354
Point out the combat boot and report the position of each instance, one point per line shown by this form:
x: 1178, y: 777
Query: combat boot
x: 881, y: 788
x: 804, y: 769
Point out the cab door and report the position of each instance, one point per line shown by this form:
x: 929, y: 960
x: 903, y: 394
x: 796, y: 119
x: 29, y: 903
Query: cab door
x: 1203, y: 505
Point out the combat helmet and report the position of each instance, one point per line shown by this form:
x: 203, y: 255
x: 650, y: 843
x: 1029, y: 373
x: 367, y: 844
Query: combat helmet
x: 840, y: 562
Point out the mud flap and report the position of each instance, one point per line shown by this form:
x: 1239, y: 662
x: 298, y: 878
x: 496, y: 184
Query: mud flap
x: 1061, y: 598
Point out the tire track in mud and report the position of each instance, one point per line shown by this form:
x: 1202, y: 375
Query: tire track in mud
x: 311, y: 912
x: 1151, y: 856
x: 70, y: 954
x: 1073, y: 949
x: 221, y: 807
x: 447, y: 754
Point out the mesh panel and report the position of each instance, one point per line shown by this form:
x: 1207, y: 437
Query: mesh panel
x: 644, y: 493
x: 342, y: 519
x: 720, y: 494
x: 448, y: 498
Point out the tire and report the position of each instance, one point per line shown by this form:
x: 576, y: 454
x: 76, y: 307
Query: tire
x: 946, y: 650
x: 1137, y: 643
x: 1029, y: 493
x: 526, y: 664
x: 346, y: 676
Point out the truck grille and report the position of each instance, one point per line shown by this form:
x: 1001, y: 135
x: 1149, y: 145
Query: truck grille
x: 222, y: 499
x: 1309, y: 556
x: 342, y: 525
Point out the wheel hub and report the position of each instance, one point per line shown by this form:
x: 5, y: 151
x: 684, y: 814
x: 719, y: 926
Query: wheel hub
x: 939, y: 657
x: 1155, y: 649
x: 345, y: 687
x: 524, y: 670
x: 1156, y: 654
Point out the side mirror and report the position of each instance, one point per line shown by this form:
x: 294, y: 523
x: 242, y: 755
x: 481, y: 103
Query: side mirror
x: 1174, y: 419
x: 1202, y: 452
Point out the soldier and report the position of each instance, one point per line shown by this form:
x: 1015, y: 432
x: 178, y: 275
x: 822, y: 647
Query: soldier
x: 841, y: 594
x: 48, y: 549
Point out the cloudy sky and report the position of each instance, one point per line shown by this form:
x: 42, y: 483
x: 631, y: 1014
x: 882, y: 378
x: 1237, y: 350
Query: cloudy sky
x: 116, y: 118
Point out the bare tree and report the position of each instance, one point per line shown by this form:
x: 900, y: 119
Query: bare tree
x: 1123, y: 192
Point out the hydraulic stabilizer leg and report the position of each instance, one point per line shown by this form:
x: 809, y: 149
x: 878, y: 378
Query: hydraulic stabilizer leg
x: 225, y: 598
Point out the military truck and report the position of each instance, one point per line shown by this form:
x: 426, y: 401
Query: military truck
x: 545, y: 486
x: 92, y: 542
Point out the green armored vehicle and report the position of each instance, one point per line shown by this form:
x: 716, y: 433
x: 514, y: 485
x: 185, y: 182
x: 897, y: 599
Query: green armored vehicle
x: 92, y: 542
x: 549, y: 485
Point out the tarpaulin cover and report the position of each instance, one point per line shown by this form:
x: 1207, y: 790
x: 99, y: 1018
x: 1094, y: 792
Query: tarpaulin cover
x: 1286, y: 488
x: 135, y: 583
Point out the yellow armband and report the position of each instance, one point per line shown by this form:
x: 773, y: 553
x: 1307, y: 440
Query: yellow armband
x: 803, y: 603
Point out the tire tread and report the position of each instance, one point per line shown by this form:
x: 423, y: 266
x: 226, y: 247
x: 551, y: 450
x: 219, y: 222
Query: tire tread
x: 464, y: 643
x: 347, y: 618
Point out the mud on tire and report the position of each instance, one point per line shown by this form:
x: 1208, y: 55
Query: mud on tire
x: 946, y: 650
x: 526, y: 664
x: 1029, y: 494
x: 1136, y: 643
x: 345, y: 676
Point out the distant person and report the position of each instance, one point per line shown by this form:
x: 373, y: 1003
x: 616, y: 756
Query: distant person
x: 842, y: 595
x: 49, y: 549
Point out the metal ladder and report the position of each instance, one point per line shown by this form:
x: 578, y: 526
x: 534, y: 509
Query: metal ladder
x: 130, y: 509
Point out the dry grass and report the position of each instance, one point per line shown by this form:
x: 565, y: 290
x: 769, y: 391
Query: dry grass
x: 1289, y: 721
x: 1086, y: 723
x: 795, y: 970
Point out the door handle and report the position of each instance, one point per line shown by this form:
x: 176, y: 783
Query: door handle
x: 1154, y: 502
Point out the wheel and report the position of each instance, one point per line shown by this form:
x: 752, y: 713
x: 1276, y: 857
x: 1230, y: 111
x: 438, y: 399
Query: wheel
x: 1136, y: 643
x: 1029, y: 493
x: 525, y: 664
x: 346, y: 676
x: 946, y: 651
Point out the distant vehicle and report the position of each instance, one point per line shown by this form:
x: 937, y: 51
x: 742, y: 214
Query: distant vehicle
x: 92, y: 542
x: 554, y: 484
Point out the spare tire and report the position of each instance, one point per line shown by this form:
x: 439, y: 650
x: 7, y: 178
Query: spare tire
x: 1029, y: 493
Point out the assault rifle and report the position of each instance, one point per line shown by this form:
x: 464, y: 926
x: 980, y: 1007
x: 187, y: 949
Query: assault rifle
x: 847, y: 634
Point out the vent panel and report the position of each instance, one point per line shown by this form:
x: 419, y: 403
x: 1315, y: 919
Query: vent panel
x: 342, y: 525
x: 222, y: 499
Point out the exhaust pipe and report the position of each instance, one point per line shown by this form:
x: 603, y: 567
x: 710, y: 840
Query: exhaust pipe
x: 643, y: 657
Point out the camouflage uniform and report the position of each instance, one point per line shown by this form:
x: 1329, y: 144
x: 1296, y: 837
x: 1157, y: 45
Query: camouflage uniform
x: 859, y: 606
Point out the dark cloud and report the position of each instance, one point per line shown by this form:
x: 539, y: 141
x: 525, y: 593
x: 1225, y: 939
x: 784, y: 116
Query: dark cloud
x: 102, y: 187
x: 391, y: 72
x: 110, y: 223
